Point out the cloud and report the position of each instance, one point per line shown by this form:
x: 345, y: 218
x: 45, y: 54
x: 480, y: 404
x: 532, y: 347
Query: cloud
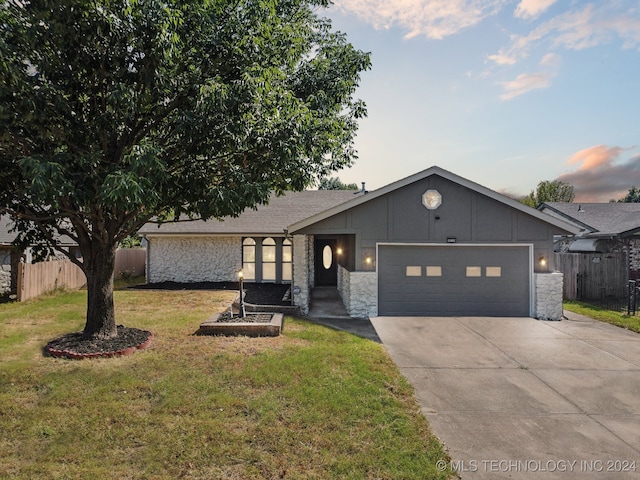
x: 600, y: 176
x: 552, y: 60
x: 434, y: 19
x: 577, y: 29
x: 524, y: 83
x: 532, y: 8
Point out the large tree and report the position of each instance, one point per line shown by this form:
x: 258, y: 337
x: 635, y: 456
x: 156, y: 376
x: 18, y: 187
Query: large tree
x: 113, y: 112
x: 549, y: 191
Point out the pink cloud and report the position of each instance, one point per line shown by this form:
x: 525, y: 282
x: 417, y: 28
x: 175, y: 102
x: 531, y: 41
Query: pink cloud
x: 595, y: 157
x: 600, y: 176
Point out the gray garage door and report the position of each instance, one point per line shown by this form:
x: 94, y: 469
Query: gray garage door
x: 453, y: 280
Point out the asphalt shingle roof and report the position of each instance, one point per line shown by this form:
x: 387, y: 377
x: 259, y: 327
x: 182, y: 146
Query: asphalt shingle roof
x: 271, y: 219
x: 602, y: 218
x: 5, y: 224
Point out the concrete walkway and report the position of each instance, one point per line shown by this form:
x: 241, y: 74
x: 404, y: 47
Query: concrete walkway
x: 522, y: 398
x: 327, y: 309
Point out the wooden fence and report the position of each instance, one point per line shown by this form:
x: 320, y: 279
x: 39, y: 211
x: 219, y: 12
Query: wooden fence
x: 130, y: 262
x: 599, y: 273
x: 37, y: 278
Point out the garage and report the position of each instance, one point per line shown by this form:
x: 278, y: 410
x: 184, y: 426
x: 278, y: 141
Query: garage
x: 454, y: 280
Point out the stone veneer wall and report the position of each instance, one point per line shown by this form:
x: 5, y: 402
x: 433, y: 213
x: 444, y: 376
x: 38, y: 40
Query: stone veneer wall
x: 548, y: 295
x: 193, y: 259
x: 359, y: 292
x: 5, y: 272
x: 302, y: 271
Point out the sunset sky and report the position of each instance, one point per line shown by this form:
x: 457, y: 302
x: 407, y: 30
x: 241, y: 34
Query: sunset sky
x: 503, y: 93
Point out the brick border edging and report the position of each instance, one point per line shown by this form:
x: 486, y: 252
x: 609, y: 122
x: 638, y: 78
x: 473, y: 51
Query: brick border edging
x: 68, y: 354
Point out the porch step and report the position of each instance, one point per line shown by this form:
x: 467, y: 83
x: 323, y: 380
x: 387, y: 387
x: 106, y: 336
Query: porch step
x: 326, y: 303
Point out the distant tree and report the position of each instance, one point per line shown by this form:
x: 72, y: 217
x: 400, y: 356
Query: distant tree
x: 549, y: 191
x: 113, y: 112
x: 336, y: 184
x: 632, y: 196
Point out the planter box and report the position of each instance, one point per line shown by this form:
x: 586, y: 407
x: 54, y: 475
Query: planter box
x: 249, y: 329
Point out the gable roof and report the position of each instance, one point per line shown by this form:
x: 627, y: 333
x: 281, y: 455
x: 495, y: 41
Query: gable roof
x: 7, y: 237
x: 270, y: 219
x: 599, y: 219
x: 562, y: 225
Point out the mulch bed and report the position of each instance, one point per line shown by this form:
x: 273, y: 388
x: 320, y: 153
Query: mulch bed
x: 73, y: 346
x: 255, y: 293
x: 249, y: 318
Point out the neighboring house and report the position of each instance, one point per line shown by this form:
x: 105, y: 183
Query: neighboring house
x: 431, y: 244
x: 607, y: 248
x: 10, y: 256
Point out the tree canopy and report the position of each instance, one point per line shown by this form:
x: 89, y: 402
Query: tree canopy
x: 549, y: 191
x: 632, y: 196
x: 114, y: 112
x: 334, y: 183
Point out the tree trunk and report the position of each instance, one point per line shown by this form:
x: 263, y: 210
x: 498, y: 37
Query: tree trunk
x: 99, y: 268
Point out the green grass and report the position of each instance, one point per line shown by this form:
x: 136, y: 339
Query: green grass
x: 629, y: 322
x: 313, y: 403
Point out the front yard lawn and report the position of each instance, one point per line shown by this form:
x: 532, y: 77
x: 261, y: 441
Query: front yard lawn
x: 629, y: 322
x: 312, y: 403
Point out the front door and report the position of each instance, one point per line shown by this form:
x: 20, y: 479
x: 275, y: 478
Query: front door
x: 326, y: 269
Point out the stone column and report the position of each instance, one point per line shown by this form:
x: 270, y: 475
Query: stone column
x: 548, y: 295
x: 301, y: 291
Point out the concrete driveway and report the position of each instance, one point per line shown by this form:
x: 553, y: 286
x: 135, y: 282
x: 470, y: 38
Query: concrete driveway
x: 522, y: 398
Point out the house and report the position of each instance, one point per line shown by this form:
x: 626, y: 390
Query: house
x: 606, y: 251
x: 10, y: 256
x: 433, y: 243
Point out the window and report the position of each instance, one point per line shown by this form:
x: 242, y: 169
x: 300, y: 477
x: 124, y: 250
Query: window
x: 413, y: 271
x: 474, y: 271
x: 327, y: 257
x: 287, y: 259
x: 269, y: 260
x: 249, y: 258
x: 494, y: 271
x: 434, y: 271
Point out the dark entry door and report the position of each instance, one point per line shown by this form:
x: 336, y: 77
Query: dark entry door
x: 326, y: 268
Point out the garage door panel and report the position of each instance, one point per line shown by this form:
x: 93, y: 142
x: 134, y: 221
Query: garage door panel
x: 501, y: 289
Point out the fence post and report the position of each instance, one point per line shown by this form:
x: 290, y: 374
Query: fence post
x: 631, y: 303
x: 20, y: 280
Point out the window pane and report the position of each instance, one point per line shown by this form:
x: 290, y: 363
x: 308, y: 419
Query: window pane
x: 286, y: 253
x: 269, y: 254
x: 249, y: 254
x: 413, y: 271
x: 249, y: 271
x: 248, y: 241
x: 268, y: 250
x: 474, y: 271
x: 494, y: 271
x: 434, y: 271
x: 269, y: 271
x: 286, y: 272
x: 327, y: 257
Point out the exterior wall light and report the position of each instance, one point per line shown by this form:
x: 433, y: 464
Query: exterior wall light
x: 368, y: 260
x: 542, y: 261
x: 339, y: 251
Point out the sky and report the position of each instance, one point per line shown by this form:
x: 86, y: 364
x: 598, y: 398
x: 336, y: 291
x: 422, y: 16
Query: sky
x: 505, y: 93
